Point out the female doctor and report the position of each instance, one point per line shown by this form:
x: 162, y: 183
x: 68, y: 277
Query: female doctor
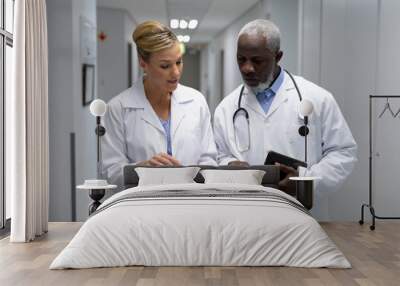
x: 157, y: 122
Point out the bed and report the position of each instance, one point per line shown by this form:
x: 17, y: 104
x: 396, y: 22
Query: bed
x: 201, y: 224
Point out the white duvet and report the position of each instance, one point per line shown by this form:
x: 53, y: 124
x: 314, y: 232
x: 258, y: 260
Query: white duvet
x: 203, y: 230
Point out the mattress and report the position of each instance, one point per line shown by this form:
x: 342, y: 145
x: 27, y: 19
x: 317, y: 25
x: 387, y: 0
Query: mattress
x: 201, y: 225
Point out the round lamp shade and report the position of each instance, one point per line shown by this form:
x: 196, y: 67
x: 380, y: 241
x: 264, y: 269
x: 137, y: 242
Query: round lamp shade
x: 306, y: 107
x: 98, y: 107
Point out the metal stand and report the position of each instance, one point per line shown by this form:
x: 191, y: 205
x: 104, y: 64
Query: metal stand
x: 100, y: 131
x: 370, y: 203
x: 305, y: 193
x: 97, y: 190
x: 96, y: 195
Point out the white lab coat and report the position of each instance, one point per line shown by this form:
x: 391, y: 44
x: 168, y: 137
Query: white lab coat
x: 331, y: 146
x: 134, y: 132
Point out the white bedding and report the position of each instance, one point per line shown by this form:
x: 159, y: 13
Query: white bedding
x: 204, y: 230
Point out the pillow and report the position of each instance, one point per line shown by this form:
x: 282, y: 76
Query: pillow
x: 248, y: 177
x: 163, y: 176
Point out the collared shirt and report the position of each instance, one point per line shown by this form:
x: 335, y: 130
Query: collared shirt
x: 265, y: 97
x: 167, y: 128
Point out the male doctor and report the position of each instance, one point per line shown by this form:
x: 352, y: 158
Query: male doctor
x: 271, y: 102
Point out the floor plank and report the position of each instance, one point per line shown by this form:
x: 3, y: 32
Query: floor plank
x: 374, y: 255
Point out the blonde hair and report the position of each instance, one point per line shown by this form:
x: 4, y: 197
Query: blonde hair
x: 152, y: 36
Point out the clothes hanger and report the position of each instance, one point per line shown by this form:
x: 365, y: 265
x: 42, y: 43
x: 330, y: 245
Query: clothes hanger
x: 397, y: 113
x: 387, y: 107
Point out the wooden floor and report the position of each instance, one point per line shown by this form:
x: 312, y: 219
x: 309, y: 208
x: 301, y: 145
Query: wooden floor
x: 374, y: 255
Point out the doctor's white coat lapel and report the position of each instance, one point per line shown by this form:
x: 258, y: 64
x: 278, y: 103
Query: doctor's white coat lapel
x: 282, y: 96
x: 148, y: 125
x: 249, y: 101
x: 148, y: 114
x: 178, y: 110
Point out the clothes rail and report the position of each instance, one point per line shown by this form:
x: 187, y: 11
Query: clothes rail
x: 370, y: 201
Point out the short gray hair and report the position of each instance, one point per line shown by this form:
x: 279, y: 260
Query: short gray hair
x: 264, y: 28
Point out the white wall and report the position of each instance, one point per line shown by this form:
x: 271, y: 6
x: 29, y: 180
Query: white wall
x: 214, y: 81
x: 113, y: 52
x: 387, y: 132
x: 129, y: 27
x: 204, y: 76
x: 349, y: 47
x: 84, y: 122
x: 191, y: 69
x: 59, y: 16
x: 284, y: 13
x: 66, y: 112
x: 310, y: 36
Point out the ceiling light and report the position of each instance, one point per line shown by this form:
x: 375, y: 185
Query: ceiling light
x: 180, y: 38
x: 183, y: 24
x: 186, y: 39
x: 174, y: 23
x: 193, y: 24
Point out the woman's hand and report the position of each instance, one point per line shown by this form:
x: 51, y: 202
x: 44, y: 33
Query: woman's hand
x: 161, y: 159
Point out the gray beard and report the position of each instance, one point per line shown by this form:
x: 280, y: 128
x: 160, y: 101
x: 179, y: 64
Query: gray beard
x: 262, y: 85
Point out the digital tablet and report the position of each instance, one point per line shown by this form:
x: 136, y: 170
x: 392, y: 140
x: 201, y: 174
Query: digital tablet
x: 275, y: 157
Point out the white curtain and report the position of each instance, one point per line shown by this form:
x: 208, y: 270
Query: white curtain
x: 27, y: 144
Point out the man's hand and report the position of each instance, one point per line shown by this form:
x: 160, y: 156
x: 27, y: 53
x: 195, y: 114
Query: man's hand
x: 239, y: 163
x: 290, y: 172
x: 160, y: 159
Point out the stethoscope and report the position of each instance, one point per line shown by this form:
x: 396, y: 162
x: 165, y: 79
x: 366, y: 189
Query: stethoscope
x: 303, y: 130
